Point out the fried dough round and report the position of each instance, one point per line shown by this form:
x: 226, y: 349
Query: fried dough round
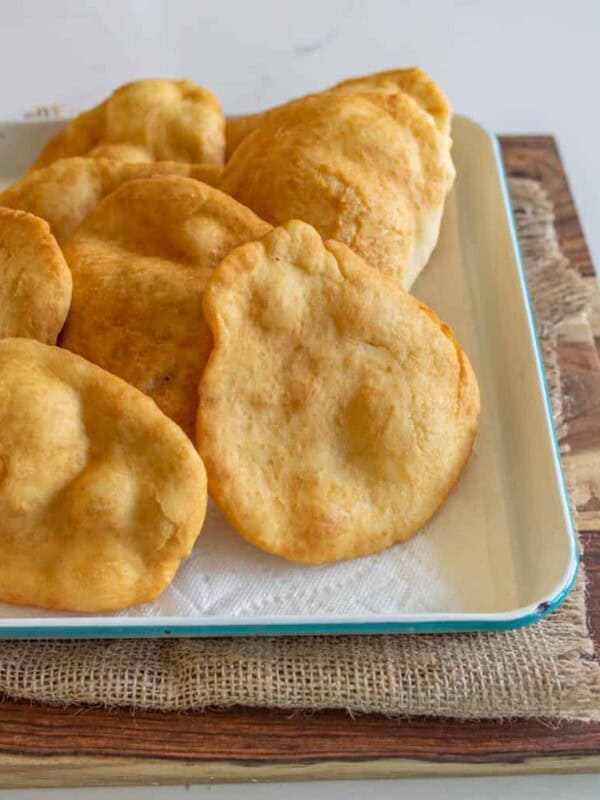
x: 65, y: 192
x: 140, y: 262
x: 148, y: 120
x: 370, y: 170
x: 336, y: 411
x: 412, y: 80
x: 35, y: 281
x: 101, y: 495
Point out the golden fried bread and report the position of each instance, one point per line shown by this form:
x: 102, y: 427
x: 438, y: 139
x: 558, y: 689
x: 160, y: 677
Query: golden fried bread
x: 35, y: 281
x: 140, y: 262
x: 149, y: 120
x: 336, y: 411
x: 411, y: 80
x: 240, y: 126
x: 368, y: 169
x: 64, y: 192
x: 101, y: 495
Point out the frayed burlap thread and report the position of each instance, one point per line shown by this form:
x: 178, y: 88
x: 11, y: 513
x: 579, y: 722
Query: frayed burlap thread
x: 557, y: 292
x: 547, y: 670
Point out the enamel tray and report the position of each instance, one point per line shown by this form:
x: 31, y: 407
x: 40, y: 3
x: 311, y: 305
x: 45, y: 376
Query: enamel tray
x: 501, y: 553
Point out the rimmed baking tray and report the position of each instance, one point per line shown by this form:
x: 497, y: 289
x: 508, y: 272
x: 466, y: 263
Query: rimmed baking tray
x: 501, y: 553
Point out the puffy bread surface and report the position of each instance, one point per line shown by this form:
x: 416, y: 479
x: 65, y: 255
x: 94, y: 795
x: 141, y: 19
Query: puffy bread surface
x: 64, y: 192
x: 101, y: 495
x: 412, y: 80
x: 368, y: 169
x: 336, y: 411
x: 140, y: 262
x: 147, y: 120
x: 35, y: 281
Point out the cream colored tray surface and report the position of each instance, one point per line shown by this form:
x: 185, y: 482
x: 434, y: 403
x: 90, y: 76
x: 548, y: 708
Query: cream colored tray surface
x: 501, y: 552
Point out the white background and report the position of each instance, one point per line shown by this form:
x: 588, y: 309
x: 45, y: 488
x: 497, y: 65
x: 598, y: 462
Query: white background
x: 518, y: 66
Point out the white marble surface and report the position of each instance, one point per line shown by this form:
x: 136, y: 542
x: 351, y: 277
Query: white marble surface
x: 515, y: 65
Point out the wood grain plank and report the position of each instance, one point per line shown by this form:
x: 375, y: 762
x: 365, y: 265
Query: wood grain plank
x: 590, y: 542
x: 65, y: 771
x: 538, y: 157
x: 268, y: 737
x: 41, y: 745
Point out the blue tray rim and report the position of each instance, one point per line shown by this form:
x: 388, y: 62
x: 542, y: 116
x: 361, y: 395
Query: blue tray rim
x: 109, y: 627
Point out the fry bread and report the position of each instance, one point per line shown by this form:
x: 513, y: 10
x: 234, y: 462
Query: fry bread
x: 336, y: 411
x: 140, y: 262
x: 35, y: 281
x: 101, y: 495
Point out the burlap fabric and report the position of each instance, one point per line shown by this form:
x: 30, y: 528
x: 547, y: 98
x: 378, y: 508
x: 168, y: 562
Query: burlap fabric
x: 546, y: 670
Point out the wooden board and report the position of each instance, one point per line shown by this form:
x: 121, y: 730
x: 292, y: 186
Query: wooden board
x: 44, y: 746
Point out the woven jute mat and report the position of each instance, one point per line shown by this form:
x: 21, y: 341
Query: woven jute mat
x: 547, y: 670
